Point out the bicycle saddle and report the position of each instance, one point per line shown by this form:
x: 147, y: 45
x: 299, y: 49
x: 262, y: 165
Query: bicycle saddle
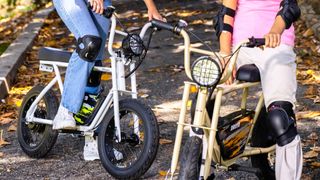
x: 248, y: 73
x: 53, y: 54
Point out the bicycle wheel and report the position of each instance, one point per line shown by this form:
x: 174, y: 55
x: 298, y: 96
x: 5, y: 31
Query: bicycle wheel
x: 261, y: 138
x: 36, y: 140
x: 191, y: 159
x: 132, y: 157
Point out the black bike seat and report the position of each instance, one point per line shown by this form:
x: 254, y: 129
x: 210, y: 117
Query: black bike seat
x: 248, y: 73
x: 53, y: 54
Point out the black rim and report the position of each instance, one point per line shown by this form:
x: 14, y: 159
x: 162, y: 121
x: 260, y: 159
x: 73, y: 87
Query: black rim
x: 33, y: 133
x: 131, y: 146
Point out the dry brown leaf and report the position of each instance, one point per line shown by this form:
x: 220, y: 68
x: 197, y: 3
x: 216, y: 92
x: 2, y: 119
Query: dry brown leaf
x: 162, y: 173
x: 313, y: 136
x: 307, y: 114
x: 144, y: 95
x: 309, y: 32
x: 310, y: 154
x: 7, y: 114
x: 315, y: 164
x: 311, y: 91
x: 106, y: 77
x: 316, y: 149
x: 12, y: 128
x: 5, y: 121
x: 165, y: 141
x: 1, y: 154
x: 2, y: 141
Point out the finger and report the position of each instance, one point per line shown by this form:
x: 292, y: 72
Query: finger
x: 94, y: 6
x: 267, y: 40
x: 101, y: 8
x: 279, y: 39
x: 275, y: 40
x: 270, y: 40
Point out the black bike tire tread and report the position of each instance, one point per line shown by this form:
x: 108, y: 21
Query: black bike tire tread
x: 51, y: 135
x: 190, y: 159
x: 154, y: 148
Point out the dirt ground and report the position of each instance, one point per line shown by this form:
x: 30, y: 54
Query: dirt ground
x: 160, y: 80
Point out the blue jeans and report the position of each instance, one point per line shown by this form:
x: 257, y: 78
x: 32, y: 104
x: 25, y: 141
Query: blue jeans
x: 81, y: 21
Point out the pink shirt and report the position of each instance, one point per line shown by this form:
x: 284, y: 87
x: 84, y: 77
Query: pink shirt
x: 255, y: 18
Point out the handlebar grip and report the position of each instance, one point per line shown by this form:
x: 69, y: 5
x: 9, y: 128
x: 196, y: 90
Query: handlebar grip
x: 255, y: 42
x: 162, y: 25
x: 260, y: 41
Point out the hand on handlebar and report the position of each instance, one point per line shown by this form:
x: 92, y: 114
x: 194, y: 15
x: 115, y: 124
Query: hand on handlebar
x: 97, y: 6
x: 272, y: 39
x: 154, y: 14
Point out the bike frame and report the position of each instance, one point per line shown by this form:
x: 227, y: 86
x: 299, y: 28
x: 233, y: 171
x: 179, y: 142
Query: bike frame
x: 118, y: 85
x: 211, y: 149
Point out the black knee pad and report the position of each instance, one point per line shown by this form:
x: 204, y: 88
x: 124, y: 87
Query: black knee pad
x: 95, y: 76
x: 282, y: 123
x: 88, y: 47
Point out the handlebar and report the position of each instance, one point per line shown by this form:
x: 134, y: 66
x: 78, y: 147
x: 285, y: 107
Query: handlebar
x: 254, y: 42
x: 166, y: 26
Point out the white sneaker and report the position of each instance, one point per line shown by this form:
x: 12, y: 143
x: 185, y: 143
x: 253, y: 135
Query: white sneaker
x: 90, y: 150
x: 64, y: 119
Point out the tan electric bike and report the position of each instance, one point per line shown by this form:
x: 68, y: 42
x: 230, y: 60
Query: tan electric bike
x: 214, y: 140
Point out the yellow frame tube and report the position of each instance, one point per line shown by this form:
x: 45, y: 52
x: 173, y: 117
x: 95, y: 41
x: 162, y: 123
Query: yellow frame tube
x: 179, y: 134
x: 212, y: 133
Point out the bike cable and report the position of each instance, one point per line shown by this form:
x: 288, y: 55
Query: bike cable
x: 146, y: 48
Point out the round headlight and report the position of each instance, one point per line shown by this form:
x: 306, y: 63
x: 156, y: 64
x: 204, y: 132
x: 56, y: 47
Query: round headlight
x: 132, y: 45
x: 205, y: 71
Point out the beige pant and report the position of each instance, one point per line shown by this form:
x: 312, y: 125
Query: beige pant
x: 278, y: 80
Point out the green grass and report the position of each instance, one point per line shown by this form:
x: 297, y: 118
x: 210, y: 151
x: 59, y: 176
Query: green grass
x: 3, y: 47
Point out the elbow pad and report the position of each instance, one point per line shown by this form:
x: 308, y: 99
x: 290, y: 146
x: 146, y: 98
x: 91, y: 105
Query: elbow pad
x: 289, y: 11
x: 219, y: 23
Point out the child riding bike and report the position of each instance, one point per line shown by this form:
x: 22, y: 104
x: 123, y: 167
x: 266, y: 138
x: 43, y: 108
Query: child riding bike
x: 90, y: 29
x: 272, y: 19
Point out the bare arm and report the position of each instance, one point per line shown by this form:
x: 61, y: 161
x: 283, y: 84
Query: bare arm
x: 153, y: 11
x: 226, y: 37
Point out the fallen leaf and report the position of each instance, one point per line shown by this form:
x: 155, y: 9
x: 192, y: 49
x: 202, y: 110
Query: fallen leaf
x: 315, y: 164
x: 106, y: 77
x: 1, y: 154
x: 313, y: 136
x: 310, y: 154
x: 312, y: 90
x: 165, y: 141
x: 307, y: 114
x: 316, y: 149
x: 7, y: 114
x: 144, y: 95
x: 2, y: 141
x: 162, y: 173
x: 5, y: 121
x: 308, y: 32
x: 12, y: 128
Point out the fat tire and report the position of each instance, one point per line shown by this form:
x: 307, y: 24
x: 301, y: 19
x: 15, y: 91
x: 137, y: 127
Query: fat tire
x: 261, y: 138
x: 49, y: 136
x: 151, y: 141
x: 190, y: 165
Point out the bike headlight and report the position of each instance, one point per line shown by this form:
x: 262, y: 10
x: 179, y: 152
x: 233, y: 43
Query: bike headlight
x: 132, y: 45
x: 206, y: 71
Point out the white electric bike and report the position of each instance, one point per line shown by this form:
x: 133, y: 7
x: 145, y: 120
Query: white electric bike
x: 119, y: 120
